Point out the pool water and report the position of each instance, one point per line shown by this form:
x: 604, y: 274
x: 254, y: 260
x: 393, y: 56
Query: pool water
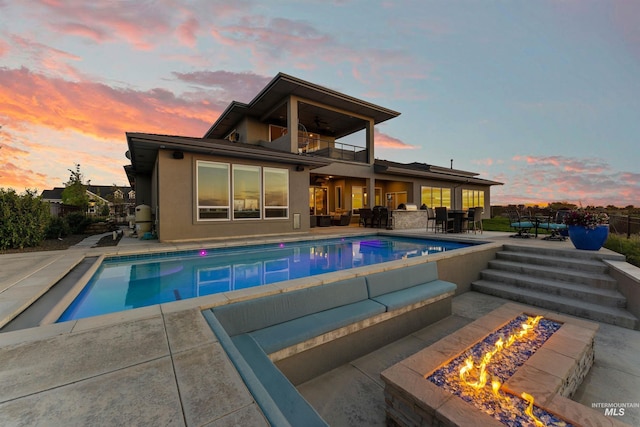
x: 123, y: 283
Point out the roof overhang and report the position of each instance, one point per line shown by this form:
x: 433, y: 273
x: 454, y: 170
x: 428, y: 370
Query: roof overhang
x: 270, y: 106
x: 143, y: 150
x: 439, y: 175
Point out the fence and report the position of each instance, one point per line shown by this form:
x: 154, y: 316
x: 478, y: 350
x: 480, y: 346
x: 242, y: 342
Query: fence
x: 624, y: 224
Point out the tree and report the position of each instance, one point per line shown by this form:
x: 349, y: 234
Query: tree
x: 75, y: 192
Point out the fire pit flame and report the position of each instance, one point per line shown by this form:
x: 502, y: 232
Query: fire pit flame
x: 486, y: 359
x: 500, y: 345
x: 529, y: 410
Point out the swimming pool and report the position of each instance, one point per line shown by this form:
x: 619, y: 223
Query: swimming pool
x: 127, y: 282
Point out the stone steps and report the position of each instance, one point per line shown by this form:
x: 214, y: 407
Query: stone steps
x: 612, y: 315
x: 571, y: 282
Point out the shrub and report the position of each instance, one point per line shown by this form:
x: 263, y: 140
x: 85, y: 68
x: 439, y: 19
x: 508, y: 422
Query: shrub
x: 57, y: 227
x: 23, y: 219
x: 77, y: 222
x: 630, y: 248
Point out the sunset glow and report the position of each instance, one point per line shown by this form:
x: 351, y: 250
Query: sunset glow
x: 542, y: 96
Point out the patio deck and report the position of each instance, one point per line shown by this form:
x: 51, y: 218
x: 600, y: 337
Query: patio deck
x: 162, y: 365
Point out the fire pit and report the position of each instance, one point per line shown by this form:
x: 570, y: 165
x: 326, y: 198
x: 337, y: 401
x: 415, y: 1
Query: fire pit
x: 446, y: 384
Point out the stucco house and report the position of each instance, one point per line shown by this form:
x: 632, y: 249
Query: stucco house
x: 296, y: 152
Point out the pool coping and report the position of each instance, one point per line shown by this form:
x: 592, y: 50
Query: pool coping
x: 48, y: 327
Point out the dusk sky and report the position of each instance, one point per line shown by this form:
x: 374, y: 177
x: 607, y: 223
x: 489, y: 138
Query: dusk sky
x: 543, y: 96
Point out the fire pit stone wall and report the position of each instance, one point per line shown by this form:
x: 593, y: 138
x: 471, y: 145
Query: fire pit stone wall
x: 552, y: 374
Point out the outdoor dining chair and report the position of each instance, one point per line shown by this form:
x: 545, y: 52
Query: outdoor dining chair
x: 442, y: 220
x: 431, y: 219
x: 475, y: 220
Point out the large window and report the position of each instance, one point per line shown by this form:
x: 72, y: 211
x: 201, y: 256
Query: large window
x: 246, y: 192
x: 257, y: 192
x: 472, y: 198
x: 212, y: 183
x: 435, y: 197
x: 276, y: 193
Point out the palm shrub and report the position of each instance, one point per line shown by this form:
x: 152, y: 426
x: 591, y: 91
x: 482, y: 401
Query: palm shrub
x: 23, y: 219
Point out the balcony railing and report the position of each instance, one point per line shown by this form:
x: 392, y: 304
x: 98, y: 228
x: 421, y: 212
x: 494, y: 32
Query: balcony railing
x: 332, y: 149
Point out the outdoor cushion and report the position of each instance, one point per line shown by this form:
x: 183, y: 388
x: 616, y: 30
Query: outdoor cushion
x: 552, y: 226
x: 247, y: 316
x: 405, y: 297
x: 296, y: 410
x: 523, y: 224
x: 282, y: 335
x: 401, y: 278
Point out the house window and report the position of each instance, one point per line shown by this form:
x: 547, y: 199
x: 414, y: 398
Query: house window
x: 276, y: 193
x: 435, y: 197
x: 246, y: 192
x: 472, y: 198
x: 212, y: 183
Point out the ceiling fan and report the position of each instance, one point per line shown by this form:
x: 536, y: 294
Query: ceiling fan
x: 319, y: 122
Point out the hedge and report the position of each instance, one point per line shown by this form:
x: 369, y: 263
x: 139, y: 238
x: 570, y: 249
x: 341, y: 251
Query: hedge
x: 23, y: 219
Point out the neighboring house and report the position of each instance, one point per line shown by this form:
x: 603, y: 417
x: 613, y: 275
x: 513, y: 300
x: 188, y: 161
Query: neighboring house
x: 267, y: 167
x: 121, y: 201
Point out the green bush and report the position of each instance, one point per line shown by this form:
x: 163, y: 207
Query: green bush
x: 57, y: 227
x: 23, y: 219
x: 77, y: 222
x: 628, y: 247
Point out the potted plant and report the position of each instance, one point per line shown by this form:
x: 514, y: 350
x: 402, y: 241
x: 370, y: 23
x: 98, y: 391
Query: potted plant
x: 588, y: 230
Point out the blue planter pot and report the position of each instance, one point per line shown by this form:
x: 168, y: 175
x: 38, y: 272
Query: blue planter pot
x: 588, y: 239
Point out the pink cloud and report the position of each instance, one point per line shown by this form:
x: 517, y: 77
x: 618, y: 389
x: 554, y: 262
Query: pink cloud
x: 385, y: 141
x: 230, y: 86
x: 585, y: 181
x: 82, y: 30
x: 4, y: 48
x: 187, y: 31
x: 100, y: 110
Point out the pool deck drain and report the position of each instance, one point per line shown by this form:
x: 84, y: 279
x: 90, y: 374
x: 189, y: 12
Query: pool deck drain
x: 551, y: 375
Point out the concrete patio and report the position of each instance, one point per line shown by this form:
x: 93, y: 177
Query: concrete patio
x: 162, y: 365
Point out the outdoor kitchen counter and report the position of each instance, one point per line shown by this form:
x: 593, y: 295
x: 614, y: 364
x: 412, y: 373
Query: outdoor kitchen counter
x: 409, y: 219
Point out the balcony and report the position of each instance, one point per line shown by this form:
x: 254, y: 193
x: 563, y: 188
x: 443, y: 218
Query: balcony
x: 331, y: 149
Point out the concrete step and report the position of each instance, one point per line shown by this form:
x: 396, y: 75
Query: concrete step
x: 592, y: 265
x: 565, y: 253
x: 612, y: 315
x: 576, y: 291
x: 597, y: 280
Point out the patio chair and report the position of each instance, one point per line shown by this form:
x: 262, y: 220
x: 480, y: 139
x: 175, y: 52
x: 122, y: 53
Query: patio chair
x: 344, y: 219
x: 556, y: 226
x: 521, y: 224
x: 475, y: 219
x: 380, y: 216
x: 442, y: 220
